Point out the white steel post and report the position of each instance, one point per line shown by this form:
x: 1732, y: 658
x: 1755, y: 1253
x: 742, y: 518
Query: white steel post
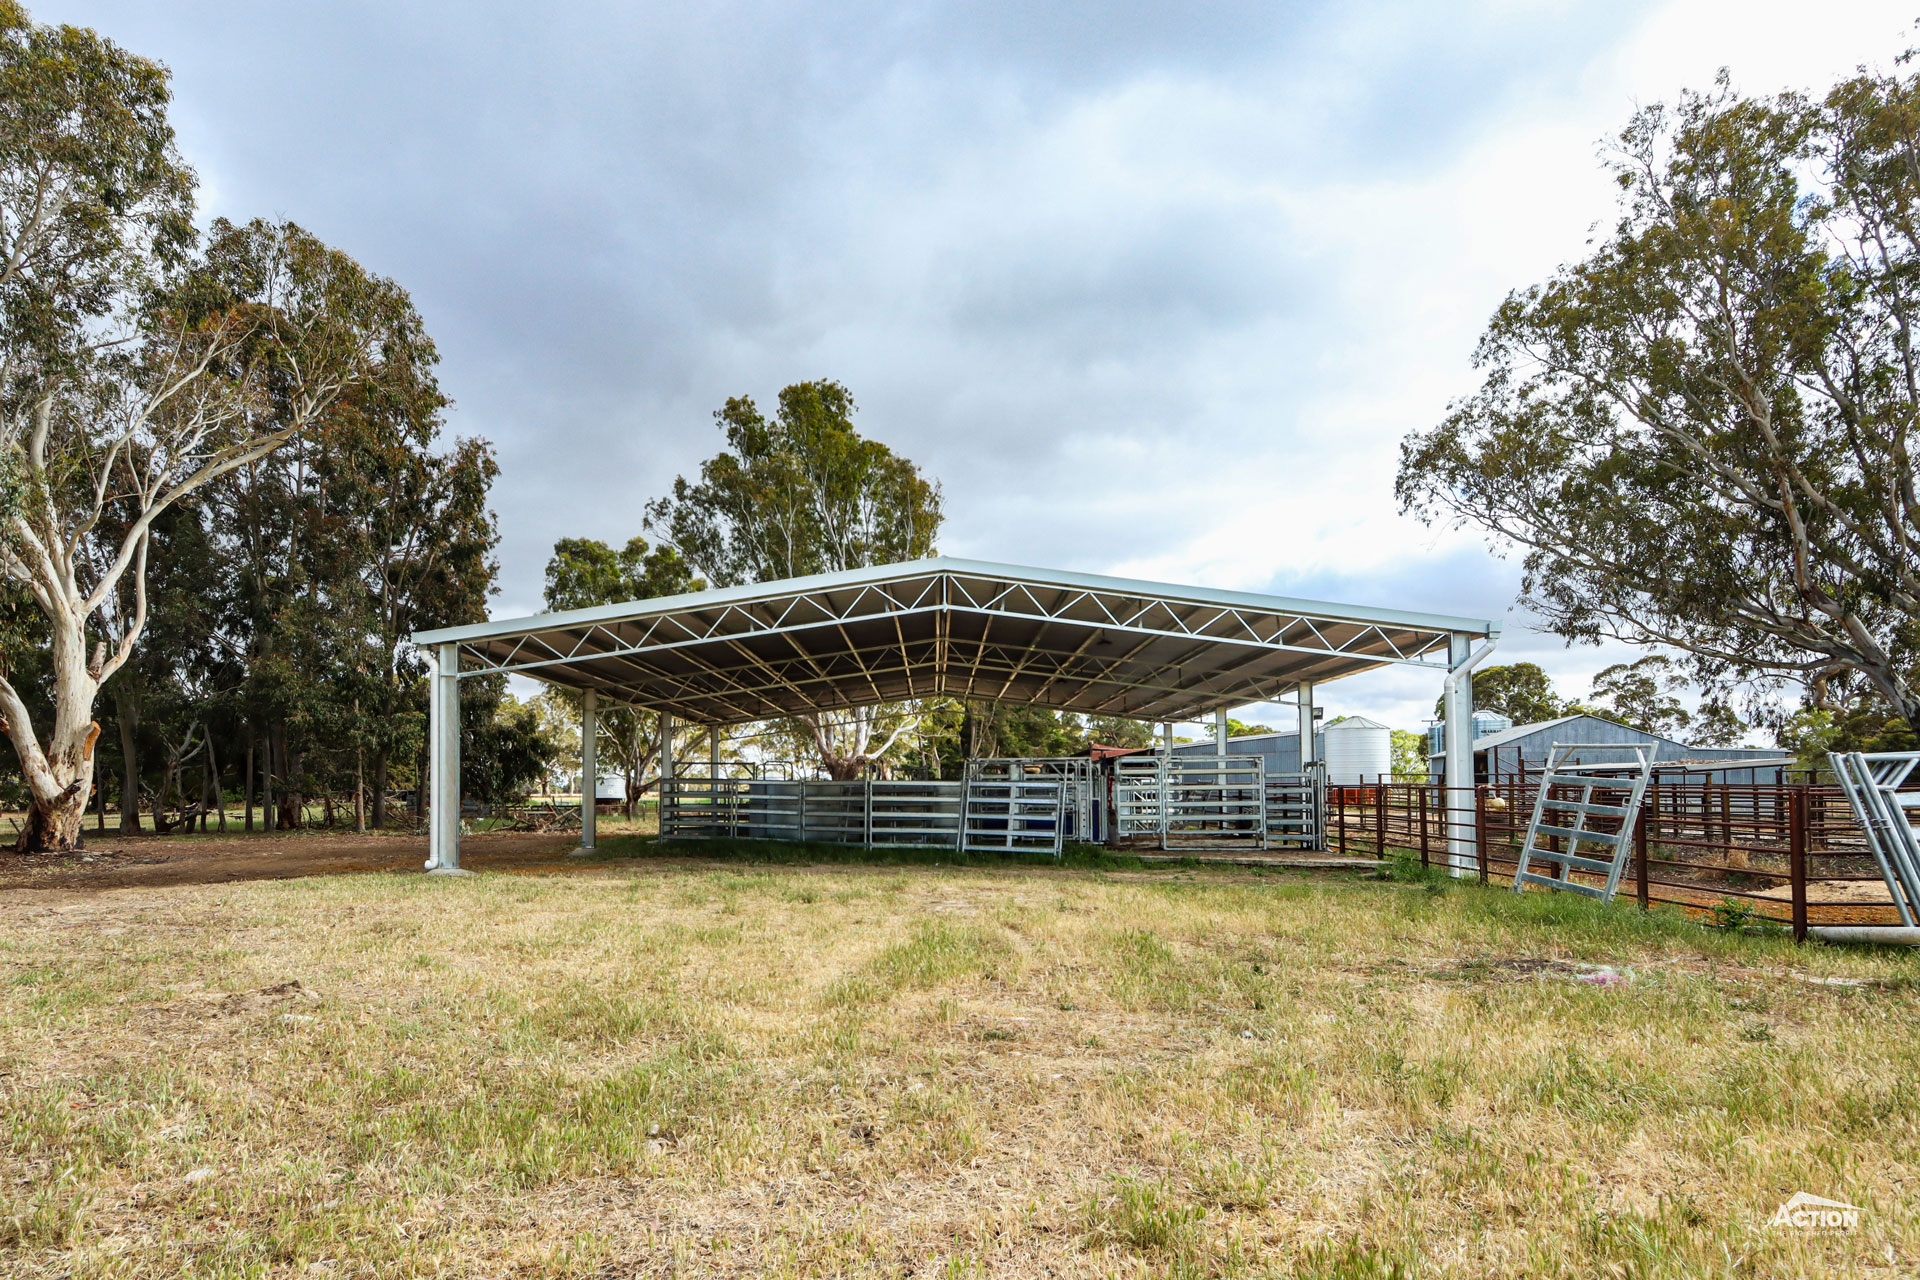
x: 714, y: 809
x: 589, y: 770
x: 1220, y: 733
x: 666, y: 767
x: 443, y: 764
x: 1303, y: 695
x: 1462, y: 856
x: 1308, y: 751
x: 1166, y: 779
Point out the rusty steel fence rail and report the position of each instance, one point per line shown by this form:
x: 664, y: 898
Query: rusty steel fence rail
x: 1792, y: 852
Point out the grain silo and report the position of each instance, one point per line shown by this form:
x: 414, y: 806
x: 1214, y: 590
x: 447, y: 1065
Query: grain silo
x: 1358, y: 750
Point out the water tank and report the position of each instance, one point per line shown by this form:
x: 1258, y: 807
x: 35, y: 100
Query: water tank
x: 610, y: 788
x: 1358, y: 750
x: 1485, y: 723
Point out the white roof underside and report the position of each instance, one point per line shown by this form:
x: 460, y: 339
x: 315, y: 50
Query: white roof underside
x: 961, y: 628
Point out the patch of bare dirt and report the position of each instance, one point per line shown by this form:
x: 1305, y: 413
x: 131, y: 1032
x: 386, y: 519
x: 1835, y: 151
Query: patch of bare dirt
x: 1849, y: 892
x: 157, y: 862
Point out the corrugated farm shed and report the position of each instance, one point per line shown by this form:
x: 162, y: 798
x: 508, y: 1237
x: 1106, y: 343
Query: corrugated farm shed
x: 1524, y: 747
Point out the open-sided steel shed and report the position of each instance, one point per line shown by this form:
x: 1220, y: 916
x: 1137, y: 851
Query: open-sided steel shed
x: 962, y: 628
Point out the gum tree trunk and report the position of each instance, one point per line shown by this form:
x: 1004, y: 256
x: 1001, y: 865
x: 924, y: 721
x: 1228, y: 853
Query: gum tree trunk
x: 380, y: 789
x: 129, y: 717
x: 59, y: 775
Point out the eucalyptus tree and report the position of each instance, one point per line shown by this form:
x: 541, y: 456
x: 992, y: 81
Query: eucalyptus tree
x: 1645, y: 694
x: 410, y: 541
x: 798, y: 493
x: 584, y: 572
x: 1521, y: 691
x: 1701, y: 435
x: 135, y: 367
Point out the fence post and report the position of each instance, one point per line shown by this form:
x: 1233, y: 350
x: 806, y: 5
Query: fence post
x: 1480, y: 831
x: 1640, y: 857
x: 1425, y: 857
x: 1340, y: 817
x: 1797, y: 862
x: 1380, y: 815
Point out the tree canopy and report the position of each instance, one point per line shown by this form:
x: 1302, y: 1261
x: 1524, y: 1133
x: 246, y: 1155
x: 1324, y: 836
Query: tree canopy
x: 1521, y: 691
x: 583, y: 572
x: 800, y: 493
x: 223, y: 494
x: 1700, y: 436
x: 1644, y: 694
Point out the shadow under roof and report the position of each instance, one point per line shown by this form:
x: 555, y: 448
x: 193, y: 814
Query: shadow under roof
x: 960, y: 628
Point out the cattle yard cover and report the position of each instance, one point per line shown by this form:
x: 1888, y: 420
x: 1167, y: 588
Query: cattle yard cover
x: 959, y: 628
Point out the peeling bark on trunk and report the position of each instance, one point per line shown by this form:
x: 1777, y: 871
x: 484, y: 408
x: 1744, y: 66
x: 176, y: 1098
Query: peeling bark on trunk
x: 59, y: 775
x: 129, y: 763
x: 217, y: 793
x: 291, y: 797
x: 268, y: 814
x: 56, y: 824
x: 294, y: 799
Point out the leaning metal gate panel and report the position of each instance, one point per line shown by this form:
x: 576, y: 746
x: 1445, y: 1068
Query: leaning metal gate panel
x: 1616, y: 838
x: 1872, y: 782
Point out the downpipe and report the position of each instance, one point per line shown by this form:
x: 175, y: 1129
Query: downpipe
x: 1462, y: 856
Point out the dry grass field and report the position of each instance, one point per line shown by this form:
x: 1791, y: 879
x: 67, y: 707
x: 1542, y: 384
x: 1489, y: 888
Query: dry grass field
x: 651, y: 1067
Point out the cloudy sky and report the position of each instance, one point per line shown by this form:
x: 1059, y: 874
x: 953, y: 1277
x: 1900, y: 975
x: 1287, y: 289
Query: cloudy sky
x: 1151, y: 289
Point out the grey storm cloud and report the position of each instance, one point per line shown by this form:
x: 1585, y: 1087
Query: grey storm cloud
x: 1059, y: 252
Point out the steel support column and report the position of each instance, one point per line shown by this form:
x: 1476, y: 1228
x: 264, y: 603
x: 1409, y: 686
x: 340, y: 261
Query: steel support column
x: 1457, y: 726
x: 1309, y: 752
x: 1166, y: 777
x: 443, y: 762
x: 1220, y: 732
x: 1303, y: 695
x: 666, y: 768
x: 589, y: 770
x: 713, y: 789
